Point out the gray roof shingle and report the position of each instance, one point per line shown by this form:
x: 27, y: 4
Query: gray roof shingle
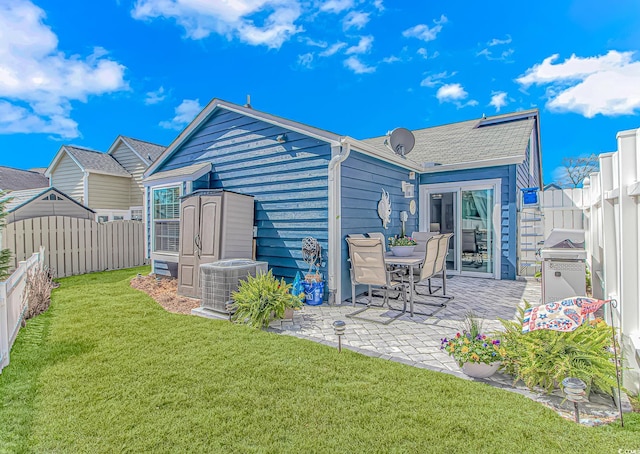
x: 97, y: 161
x: 145, y: 149
x: 470, y: 141
x: 16, y: 179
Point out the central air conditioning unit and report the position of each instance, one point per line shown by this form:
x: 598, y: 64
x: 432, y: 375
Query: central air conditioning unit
x: 220, y: 279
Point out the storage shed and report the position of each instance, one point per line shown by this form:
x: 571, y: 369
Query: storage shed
x: 32, y: 203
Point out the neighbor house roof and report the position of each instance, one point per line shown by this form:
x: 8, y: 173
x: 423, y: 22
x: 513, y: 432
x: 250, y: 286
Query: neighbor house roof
x: 20, y: 198
x: 498, y: 139
x: 16, y: 179
x: 90, y: 161
x: 147, y: 150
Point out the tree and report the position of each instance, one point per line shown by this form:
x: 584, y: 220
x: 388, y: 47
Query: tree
x: 575, y: 170
x: 5, y: 254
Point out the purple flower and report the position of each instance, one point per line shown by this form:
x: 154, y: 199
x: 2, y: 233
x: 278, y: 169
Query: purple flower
x: 496, y: 342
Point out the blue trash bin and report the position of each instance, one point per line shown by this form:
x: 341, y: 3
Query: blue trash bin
x: 313, y: 293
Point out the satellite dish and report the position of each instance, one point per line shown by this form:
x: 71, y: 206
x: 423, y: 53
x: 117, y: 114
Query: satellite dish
x: 401, y: 141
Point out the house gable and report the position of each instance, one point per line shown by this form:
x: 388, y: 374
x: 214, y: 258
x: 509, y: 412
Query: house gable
x: 132, y: 163
x: 66, y: 174
x: 286, y: 172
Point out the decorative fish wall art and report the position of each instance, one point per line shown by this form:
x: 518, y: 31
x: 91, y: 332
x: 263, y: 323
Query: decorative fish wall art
x: 384, y: 209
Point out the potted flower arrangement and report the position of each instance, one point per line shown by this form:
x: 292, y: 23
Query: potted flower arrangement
x: 477, y: 354
x: 402, y: 246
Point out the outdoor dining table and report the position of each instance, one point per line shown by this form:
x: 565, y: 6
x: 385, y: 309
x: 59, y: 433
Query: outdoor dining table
x: 410, y: 262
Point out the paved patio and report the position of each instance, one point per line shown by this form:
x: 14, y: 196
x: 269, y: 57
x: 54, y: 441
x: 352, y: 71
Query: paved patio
x: 415, y: 341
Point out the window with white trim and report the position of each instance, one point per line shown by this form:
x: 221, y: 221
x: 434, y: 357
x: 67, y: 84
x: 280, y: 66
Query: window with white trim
x: 166, y: 219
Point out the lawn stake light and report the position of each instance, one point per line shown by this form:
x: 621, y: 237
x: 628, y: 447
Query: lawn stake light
x: 339, y: 327
x: 574, y: 391
x: 230, y: 307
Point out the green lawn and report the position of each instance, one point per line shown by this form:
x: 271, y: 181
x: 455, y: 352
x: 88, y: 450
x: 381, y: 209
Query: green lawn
x: 107, y: 370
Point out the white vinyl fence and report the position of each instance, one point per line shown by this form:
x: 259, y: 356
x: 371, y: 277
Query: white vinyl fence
x: 77, y: 246
x: 13, y: 304
x: 612, y: 222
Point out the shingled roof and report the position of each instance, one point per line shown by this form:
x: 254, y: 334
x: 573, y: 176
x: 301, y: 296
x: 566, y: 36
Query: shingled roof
x: 91, y: 160
x: 16, y: 179
x: 147, y: 150
x: 473, y: 141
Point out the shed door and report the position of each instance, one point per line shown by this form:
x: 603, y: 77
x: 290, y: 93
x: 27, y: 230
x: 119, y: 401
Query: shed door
x: 210, y: 229
x: 188, y: 262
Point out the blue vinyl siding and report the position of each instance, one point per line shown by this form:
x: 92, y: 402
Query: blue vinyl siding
x: 288, y: 181
x: 508, y: 219
x: 362, y: 180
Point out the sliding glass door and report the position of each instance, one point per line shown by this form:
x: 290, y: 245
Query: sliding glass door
x: 469, y: 211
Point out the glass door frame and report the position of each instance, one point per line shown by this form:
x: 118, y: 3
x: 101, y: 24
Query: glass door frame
x: 457, y: 187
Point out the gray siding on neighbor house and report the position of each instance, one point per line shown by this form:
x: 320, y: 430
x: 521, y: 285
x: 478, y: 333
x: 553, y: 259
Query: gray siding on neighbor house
x: 108, y: 192
x: 69, y: 178
x: 362, y: 181
x: 508, y: 219
x: 288, y: 181
x: 134, y: 165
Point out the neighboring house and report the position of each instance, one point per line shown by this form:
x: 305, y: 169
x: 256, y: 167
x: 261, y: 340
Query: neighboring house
x: 16, y: 179
x: 32, y: 203
x: 109, y: 183
x: 460, y: 178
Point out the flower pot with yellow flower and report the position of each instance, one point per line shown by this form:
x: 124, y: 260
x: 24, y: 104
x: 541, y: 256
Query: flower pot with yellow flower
x: 477, y: 354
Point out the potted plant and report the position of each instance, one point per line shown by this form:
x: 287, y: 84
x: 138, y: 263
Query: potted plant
x: 261, y: 299
x: 402, y: 246
x: 477, y: 354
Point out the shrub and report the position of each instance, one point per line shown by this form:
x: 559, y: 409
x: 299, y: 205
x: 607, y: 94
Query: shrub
x: 38, y: 291
x: 543, y: 358
x: 261, y: 299
x: 401, y: 241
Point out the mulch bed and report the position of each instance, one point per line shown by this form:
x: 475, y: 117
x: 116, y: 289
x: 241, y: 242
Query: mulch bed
x: 165, y: 292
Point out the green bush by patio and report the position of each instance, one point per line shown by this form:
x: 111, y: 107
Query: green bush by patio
x: 105, y: 369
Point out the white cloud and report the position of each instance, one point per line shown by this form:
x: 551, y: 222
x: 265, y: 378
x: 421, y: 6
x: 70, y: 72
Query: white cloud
x: 355, y: 19
x: 355, y: 65
x: 502, y: 56
x: 436, y: 79
x: 313, y: 42
x: 423, y: 53
x: 305, y: 60
x: 391, y: 59
x: 378, y: 5
x: 497, y: 42
x: 184, y: 114
x: 424, y: 32
x: 363, y: 46
x: 606, y: 84
x: 498, y: 100
x: 38, y: 82
x: 333, y: 49
x: 155, y: 97
x: 336, y: 6
x: 201, y: 18
x: 454, y: 93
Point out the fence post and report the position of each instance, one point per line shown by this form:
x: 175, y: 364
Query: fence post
x: 4, y: 329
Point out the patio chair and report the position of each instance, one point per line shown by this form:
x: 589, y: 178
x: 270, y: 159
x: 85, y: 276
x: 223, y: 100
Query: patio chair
x: 381, y: 237
x: 355, y: 235
x: 422, y: 238
x: 368, y: 267
x: 434, y: 264
x: 470, y: 249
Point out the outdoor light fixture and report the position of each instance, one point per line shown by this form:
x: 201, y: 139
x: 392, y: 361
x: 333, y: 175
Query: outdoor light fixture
x: 574, y: 391
x: 282, y: 138
x: 339, y: 327
x: 230, y: 307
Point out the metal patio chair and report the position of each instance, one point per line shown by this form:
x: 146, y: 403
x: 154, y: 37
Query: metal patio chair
x: 434, y: 264
x: 368, y: 267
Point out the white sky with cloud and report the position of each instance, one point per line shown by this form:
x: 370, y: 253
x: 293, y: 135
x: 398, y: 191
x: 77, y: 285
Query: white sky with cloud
x: 202, y: 18
x: 424, y: 32
x: 498, y: 100
x: 454, y: 93
x: 363, y: 46
x: 184, y: 114
x: 357, y: 66
x: 336, y: 6
x: 605, y: 84
x: 155, y: 97
x: 355, y: 19
x: 38, y: 82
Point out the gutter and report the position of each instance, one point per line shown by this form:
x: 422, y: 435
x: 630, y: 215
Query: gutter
x: 335, y: 221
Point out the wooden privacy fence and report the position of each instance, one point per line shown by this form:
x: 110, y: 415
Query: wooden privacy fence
x: 13, y: 304
x: 77, y: 246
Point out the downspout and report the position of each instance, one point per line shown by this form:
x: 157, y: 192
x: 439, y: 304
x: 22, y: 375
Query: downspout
x: 335, y: 222
x: 85, y: 190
